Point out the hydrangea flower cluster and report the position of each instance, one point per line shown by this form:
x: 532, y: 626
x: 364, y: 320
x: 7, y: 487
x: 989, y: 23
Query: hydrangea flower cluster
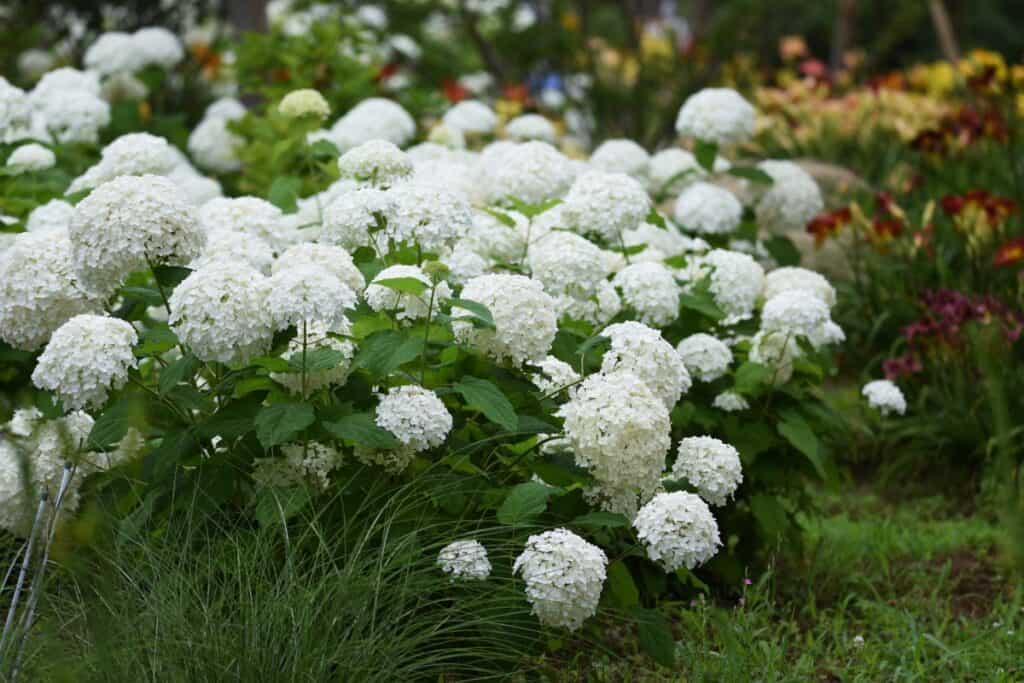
x: 708, y: 209
x: 706, y: 357
x: 712, y: 466
x: 464, y: 560
x: 416, y: 416
x: 718, y: 115
x: 378, y: 163
x: 605, y: 204
x: 564, y: 576
x: 884, y: 396
x: 406, y: 306
x: 643, y: 352
x: 678, y: 530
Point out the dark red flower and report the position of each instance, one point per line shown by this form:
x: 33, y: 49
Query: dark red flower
x: 453, y: 91
x: 1009, y: 253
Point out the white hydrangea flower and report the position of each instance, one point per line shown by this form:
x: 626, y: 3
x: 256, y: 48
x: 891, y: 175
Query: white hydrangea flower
x: 428, y: 216
x: 225, y: 108
x: 776, y: 351
x: 133, y: 154
x: 730, y: 402
x: 665, y: 241
x: 251, y: 215
x: 309, y: 463
x: 308, y: 293
x: 449, y: 174
x: 220, y: 312
x: 85, y: 358
x: 524, y: 318
x: 374, y: 118
x: 800, y: 313
x: 791, y: 201
x: 641, y: 351
x: 304, y: 102
x: 39, y: 288
x: 497, y: 241
x: 194, y: 188
x: 406, y: 306
x: 650, y: 289
x: 718, y: 115
x: 226, y: 244
x: 34, y: 62
x: 57, y: 83
x: 566, y: 263
x: 158, y: 46
x: 619, y: 430
x: 555, y: 376
x: 713, y: 467
x: 75, y: 116
x: 791, y: 277
x: 128, y: 224
x: 375, y: 162
x: 31, y: 157
x: 564, y: 576
x: 124, y: 86
x: 532, y: 172
x: 464, y: 264
x: 621, y: 156
x: 672, y: 170
x: 54, y: 214
x: 416, y: 416
x: 15, y: 110
x: 706, y: 357
x: 352, y: 219
x: 531, y: 127
x: 708, y: 209
x: 597, y: 309
x: 885, y: 397
x: 605, y: 204
x: 113, y: 52
x: 318, y: 336
x: 737, y: 281
x: 335, y: 260
x: 465, y: 560
x: 471, y: 116
x: 678, y: 530
x: 214, y: 147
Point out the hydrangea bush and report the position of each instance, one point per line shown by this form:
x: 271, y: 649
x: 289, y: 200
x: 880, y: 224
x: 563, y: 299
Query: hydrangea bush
x: 632, y: 397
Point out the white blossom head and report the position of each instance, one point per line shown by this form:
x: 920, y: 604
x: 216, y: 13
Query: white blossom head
x: 302, y: 103
x: 730, y: 402
x: 308, y: 293
x: 737, y: 281
x: 800, y: 313
x: 226, y: 244
x: 650, y: 289
x: 776, y: 351
x: 85, y: 358
x: 214, y: 146
x: 158, y: 46
x: 358, y: 219
x: 711, y: 466
x: 605, y: 204
x: 406, y: 306
x: 416, y: 416
x: 335, y: 259
x: 525, y: 321
x: 318, y: 336
x: 555, y: 376
x: 706, y: 357
x: 131, y: 223
x: 74, y: 116
x: 672, y: 170
x: 374, y: 118
x: 378, y: 163
x: 29, y: 158
x: 791, y: 277
x: 707, y: 209
x: 133, y: 154
x: 678, y: 530
x: 566, y: 263
x: 251, y: 215
x: 300, y: 464
x: 54, y: 214
x: 465, y: 561
x: 220, y: 312
x: 472, y: 117
x: 885, y: 397
x: 531, y: 127
x: 428, y: 216
x: 564, y: 576
x: 791, y: 201
x: 643, y: 352
x: 621, y: 156
x: 532, y: 172
x: 718, y: 115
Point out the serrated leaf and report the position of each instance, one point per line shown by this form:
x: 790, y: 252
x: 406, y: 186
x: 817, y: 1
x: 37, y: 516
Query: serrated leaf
x: 751, y: 378
x: 701, y: 302
x: 280, y: 422
x: 524, y: 503
x: 383, y: 352
x: 405, y: 285
x: 361, y: 429
x: 794, y: 429
x: 490, y: 400
x: 113, y: 423
x: 233, y: 420
x: 622, y: 590
x: 783, y: 250
x: 271, y: 363
x: 479, y: 313
x: 601, y: 520
x: 501, y: 217
x: 170, y: 277
x: 155, y: 341
x: 284, y: 193
x: 655, y: 635
x: 751, y: 173
x: 656, y: 219
x: 147, y: 295
x: 705, y: 152
x: 278, y: 505
x: 178, y: 371
x: 317, y: 360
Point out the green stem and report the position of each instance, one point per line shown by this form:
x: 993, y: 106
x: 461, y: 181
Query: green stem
x: 426, y: 332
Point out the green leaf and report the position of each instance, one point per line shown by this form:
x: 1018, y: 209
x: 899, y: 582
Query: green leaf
x: 501, y: 217
x: 114, y: 422
x: 656, y: 219
x: 405, y: 285
x: 701, y: 302
x: 770, y: 514
x: 490, y: 400
x: 323, y: 150
x: 601, y: 520
x: 751, y: 173
x: 233, y: 420
x: 783, y: 250
x: 622, y: 590
x: 524, y: 503
x: 271, y: 363
x: 177, y: 372
x: 277, y: 505
x: 794, y: 429
x: 155, y: 341
x: 705, y: 152
x: 279, y: 422
x: 173, y: 448
x: 384, y: 351
x: 147, y: 295
x: 480, y: 315
x: 170, y: 277
x: 751, y: 378
x: 317, y: 360
x: 655, y: 635
x: 284, y: 193
x: 361, y: 429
